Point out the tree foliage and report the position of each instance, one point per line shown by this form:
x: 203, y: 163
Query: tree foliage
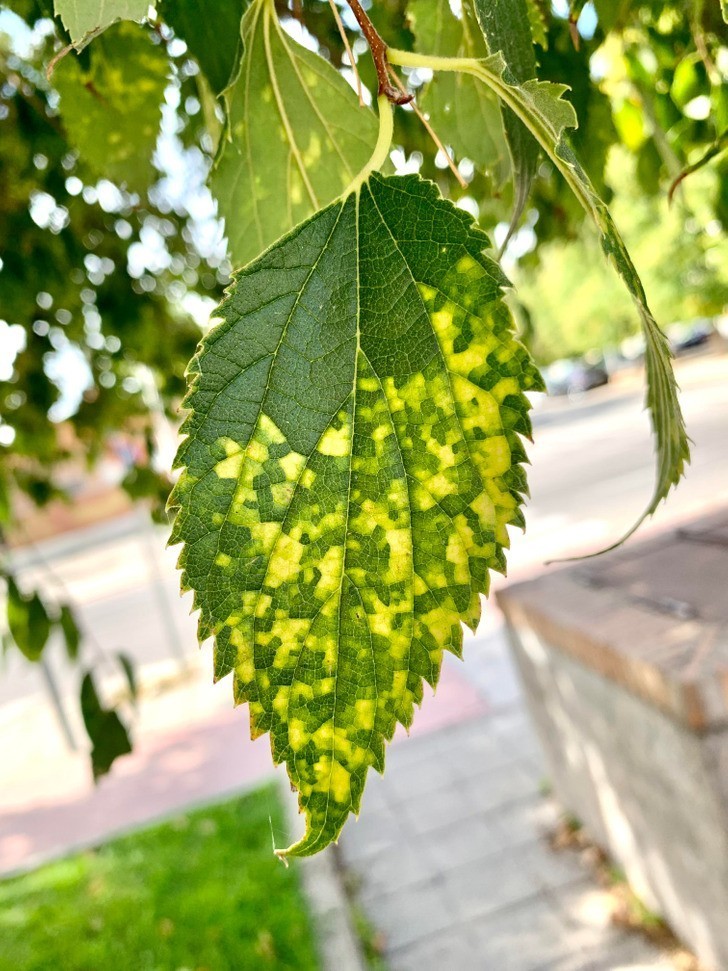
x: 352, y: 453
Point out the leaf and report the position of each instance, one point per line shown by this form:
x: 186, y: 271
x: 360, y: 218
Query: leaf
x: 28, y: 621
x: 538, y: 13
x: 463, y: 112
x: 724, y: 9
x: 506, y: 27
x: 127, y: 666
x: 112, y: 111
x: 71, y: 632
x: 83, y: 17
x: 107, y: 733
x: 351, y: 463
x: 540, y: 105
x: 298, y: 137
x: 211, y: 30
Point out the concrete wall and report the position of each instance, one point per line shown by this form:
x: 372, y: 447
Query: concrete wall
x: 651, y: 791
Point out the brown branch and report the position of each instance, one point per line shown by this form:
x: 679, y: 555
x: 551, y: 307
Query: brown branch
x: 379, y: 55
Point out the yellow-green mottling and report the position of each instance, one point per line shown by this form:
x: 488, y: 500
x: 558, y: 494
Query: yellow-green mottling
x: 351, y: 463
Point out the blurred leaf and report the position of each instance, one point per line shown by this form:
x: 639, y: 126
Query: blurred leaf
x: 107, y: 733
x: 298, y: 137
x: 211, y: 30
x: 538, y: 17
x: 127, y: 666
x: 507, y: 29
x: 689, y: 80
x: 28, y: 621
x: 464, y: 113
x: 71, y: 632
x: 112, y: 110
x: 81, y: 17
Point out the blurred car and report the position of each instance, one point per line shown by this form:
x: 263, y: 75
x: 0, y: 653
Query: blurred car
x: 574, y: 376
x: 683, y: 337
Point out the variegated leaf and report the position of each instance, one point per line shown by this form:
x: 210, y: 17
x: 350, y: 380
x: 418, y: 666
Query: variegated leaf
x: 351, y: 463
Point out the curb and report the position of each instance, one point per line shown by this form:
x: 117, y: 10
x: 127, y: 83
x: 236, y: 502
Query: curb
x: 336, y: 940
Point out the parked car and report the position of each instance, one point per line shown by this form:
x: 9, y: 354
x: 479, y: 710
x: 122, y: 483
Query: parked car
x: 574, y: 376
x: 683, y: 337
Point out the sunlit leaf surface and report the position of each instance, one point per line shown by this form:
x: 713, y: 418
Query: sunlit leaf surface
x: 351, y: 463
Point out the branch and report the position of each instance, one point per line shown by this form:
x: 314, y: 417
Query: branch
x: 379, y: 55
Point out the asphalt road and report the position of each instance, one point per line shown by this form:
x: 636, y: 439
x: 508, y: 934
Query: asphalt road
x: 591, y: 476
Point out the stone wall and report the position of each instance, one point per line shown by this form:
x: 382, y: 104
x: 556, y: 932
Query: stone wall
x: 630, y: 704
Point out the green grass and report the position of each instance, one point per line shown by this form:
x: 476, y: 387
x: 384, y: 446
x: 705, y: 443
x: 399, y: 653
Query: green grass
x: 202, y: 892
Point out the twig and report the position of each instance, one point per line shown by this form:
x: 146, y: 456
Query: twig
x: 430, y: 130
x: 349, y: 52
x: 379, y: 55
x: 56, y: 58
x: 715, y: 149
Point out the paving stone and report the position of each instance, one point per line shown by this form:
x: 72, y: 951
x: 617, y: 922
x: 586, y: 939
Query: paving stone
x: 449, y: 806
x: 452, y: 846
x: 484, y: 886
x: 531, y: 818
x: 371, y: 834
x: 397, y: 869
x: 409, y: 782
x: 480, y: 750
x: 406, y: 919
x: 521, y: 938
x: 500, y: 786
x: 451, y: 949
x: 550, y: 869
x: 629, y: 955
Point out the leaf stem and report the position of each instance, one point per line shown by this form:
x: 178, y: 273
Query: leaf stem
x: 381, y: 149
x: 378, y: 51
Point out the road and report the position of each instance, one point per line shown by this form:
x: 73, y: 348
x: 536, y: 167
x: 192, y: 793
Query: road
x: 591, y: 476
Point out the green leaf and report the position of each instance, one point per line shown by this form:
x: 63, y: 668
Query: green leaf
x: 83, y: 17
x: 28, y: 621
x: 127, y: 666
x: 71, y: 632
x: 507, y: 29
x: 107, y: 733
x: 111, y: 112
x: 538, y: 13
x: 351, y: 462
x: 211, y: 30
x: 724, y: 9
x: 298, y: 136
x: 539, y: 105
x: 464, y: 113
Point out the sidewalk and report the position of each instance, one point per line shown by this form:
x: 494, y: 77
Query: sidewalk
x: 449, y: 857
x: 450, y: 860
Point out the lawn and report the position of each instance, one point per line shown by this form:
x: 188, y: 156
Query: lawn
x: 202, y: 891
